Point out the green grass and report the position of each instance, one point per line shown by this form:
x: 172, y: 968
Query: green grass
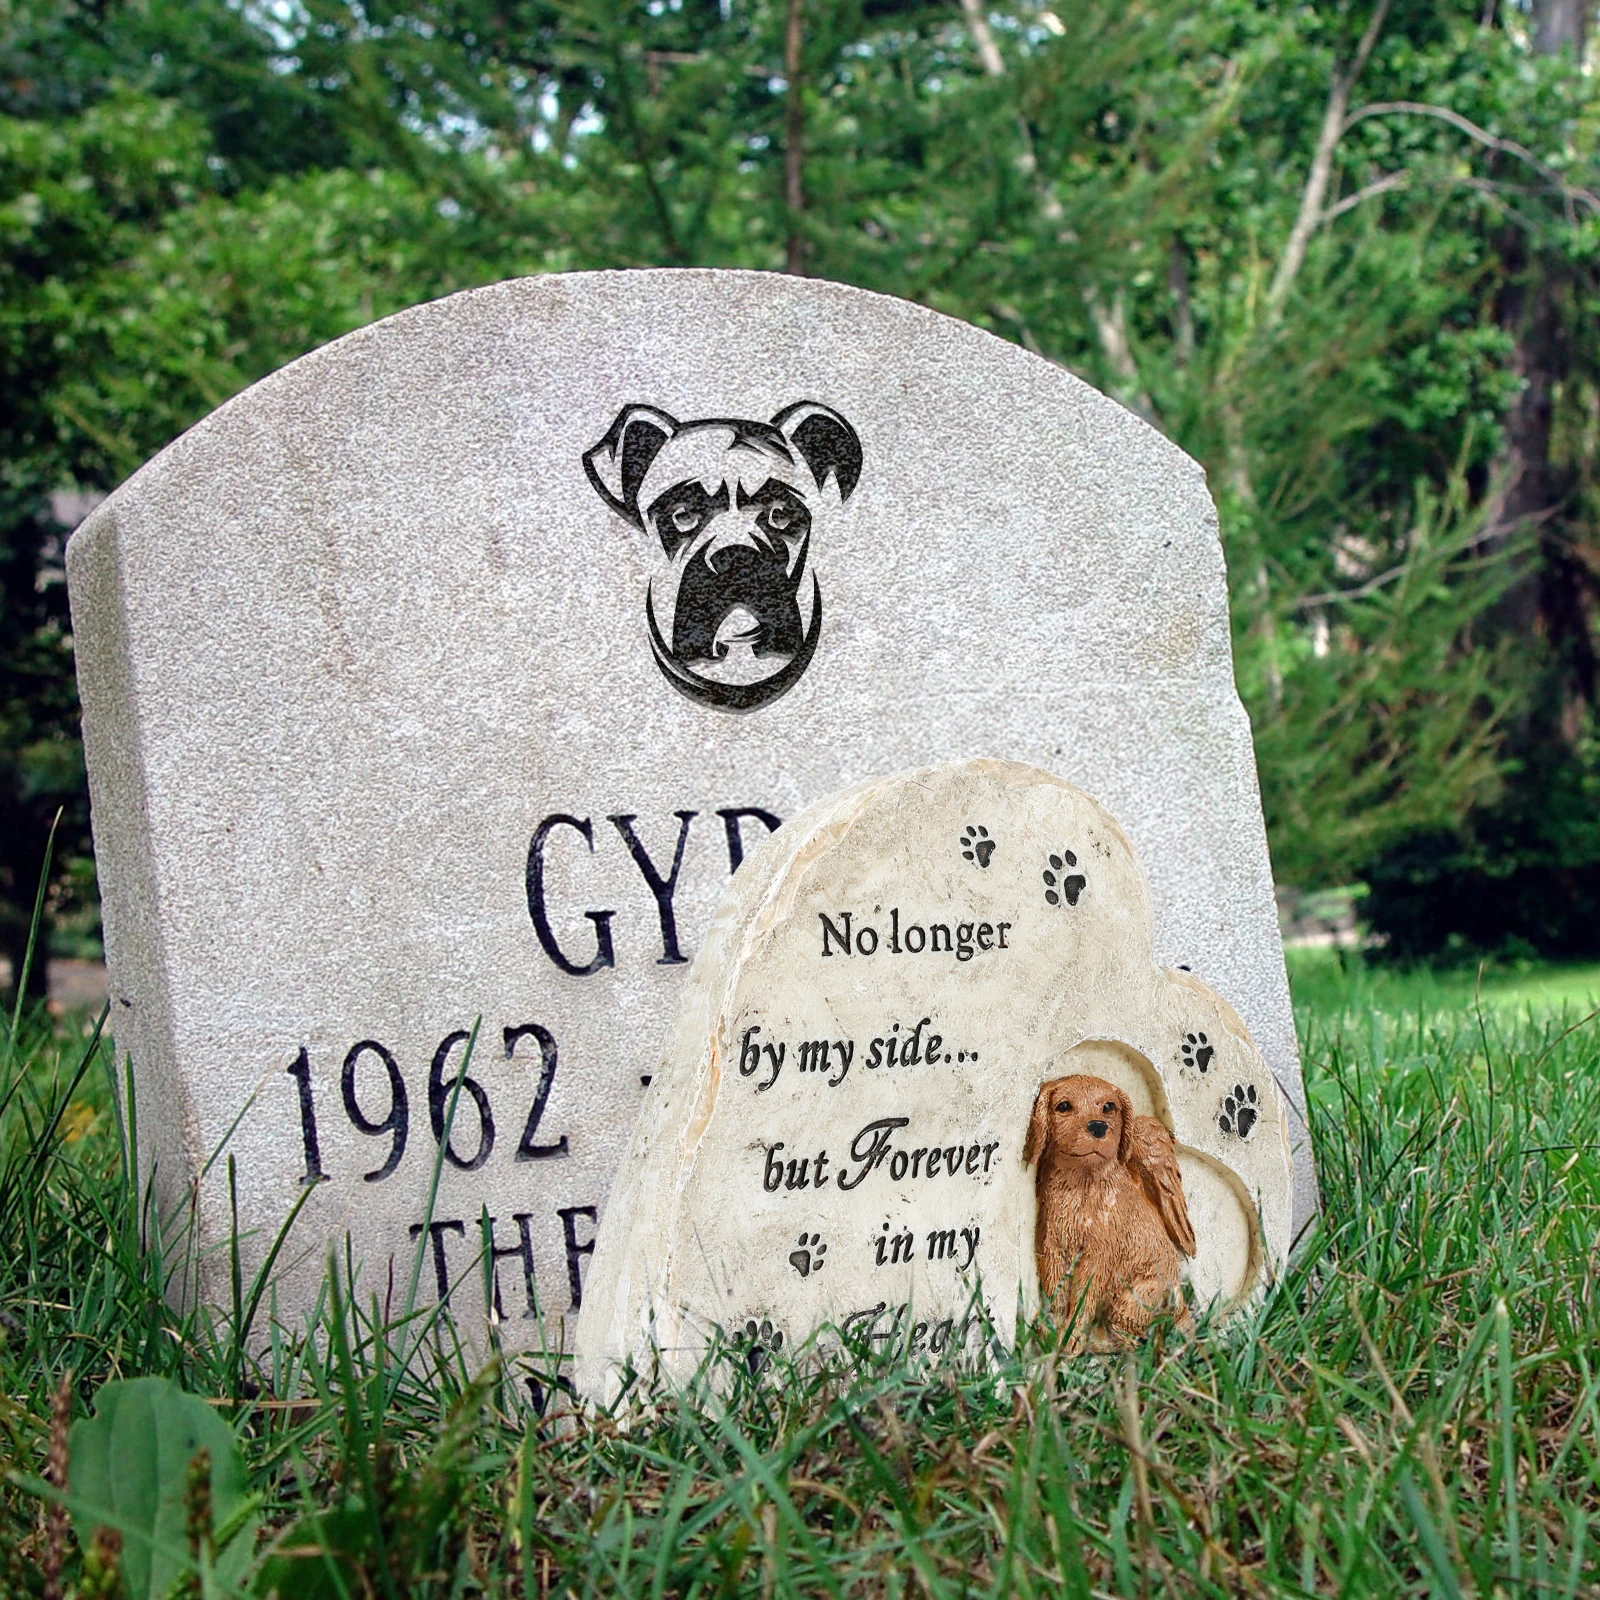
x: 1412, y: 1411
x: 1327, y: 981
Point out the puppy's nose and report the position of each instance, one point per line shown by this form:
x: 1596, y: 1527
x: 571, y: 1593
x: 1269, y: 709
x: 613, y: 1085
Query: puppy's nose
x: 1097, y: 1130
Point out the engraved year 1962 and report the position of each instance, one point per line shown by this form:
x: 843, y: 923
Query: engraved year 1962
x: 370, y: 1071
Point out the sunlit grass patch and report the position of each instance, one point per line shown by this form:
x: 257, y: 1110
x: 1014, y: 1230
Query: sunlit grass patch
x: 1328, y: 980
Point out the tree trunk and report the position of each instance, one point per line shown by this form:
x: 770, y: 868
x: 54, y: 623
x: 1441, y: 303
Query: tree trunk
x: 1549, y: 607
x: 1559, y: 25
x: 794, y: 188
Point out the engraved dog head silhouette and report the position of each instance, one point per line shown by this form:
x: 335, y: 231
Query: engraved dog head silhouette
x: 733, y: 504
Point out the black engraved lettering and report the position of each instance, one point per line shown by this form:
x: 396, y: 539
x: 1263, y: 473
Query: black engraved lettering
x: 529, y: 1150
x: 301, y: 1073
x: 440, y: 1095
x: 842, y: 940
x: 775, y: 1057
x: 604, y: 955
x: 398, y: 1121
x: 911, y: 1055
x: 749, y: 1054
x: 576, y: 1252
x: 772, y: 1173
x: 730, y: 821
x: 870, y: 1146
x: 441, y: 1267
x: 541, y: 1390
x: 851, y: 1326
x: 814, y: 1055
x: 662, y: 888
x: 523, y: 1249
x: 847, y: 1050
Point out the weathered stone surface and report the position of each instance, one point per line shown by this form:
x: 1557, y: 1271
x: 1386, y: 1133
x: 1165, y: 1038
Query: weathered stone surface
x: 380, y: 741
x: 792, y: 1135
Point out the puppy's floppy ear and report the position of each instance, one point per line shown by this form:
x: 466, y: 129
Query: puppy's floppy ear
x: 1155, y: 1164
x: 1125, y: 1144
x: 824, y: 441
x: 1038, y: 1126
x: 617, y: 465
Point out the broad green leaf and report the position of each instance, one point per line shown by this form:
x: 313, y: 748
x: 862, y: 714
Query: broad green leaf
x: 128, y: 1467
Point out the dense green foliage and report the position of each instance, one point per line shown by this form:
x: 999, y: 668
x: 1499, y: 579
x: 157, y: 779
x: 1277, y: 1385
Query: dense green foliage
x: 1385, y: 357
x: 1412, y: 1411
x: 1523, y: 873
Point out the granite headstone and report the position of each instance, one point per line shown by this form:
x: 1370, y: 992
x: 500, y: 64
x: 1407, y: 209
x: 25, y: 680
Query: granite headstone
x: 449, y: 673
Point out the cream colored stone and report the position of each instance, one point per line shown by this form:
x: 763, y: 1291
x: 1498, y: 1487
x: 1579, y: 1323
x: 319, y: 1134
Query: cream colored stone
x: 827, y: 935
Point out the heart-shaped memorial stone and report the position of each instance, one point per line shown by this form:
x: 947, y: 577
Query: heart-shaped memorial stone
x: 855, y: 1062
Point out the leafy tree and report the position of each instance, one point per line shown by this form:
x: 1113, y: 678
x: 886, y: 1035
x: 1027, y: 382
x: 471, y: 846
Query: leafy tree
x: 70, y: 192
x: 1342, y: 254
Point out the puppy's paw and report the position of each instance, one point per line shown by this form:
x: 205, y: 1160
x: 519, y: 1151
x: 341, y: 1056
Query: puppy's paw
x: 1060, y: 882
x: 1198, y: 1051
x: 976, y: 845
x: 1241, y: 1111
x: 808, y: 1257
x: 760, y: 1343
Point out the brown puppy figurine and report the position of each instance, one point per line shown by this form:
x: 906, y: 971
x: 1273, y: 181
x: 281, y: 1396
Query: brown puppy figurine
x: 1112, y: 1216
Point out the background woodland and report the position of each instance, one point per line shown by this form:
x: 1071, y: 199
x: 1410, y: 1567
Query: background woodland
x: 1346, y: 255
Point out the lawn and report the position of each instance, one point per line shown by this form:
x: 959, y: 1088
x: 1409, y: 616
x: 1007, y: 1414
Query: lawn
x: 1412, y: 1410
x: 1328, y: 982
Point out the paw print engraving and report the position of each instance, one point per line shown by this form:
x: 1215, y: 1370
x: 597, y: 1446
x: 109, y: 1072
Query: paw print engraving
x: 1059, y: 883
x: 1197, y: 1051
x: 808, y: 1258
x: 1241, y: 1110
x: 761, y: 1343
x: 976, y: 845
